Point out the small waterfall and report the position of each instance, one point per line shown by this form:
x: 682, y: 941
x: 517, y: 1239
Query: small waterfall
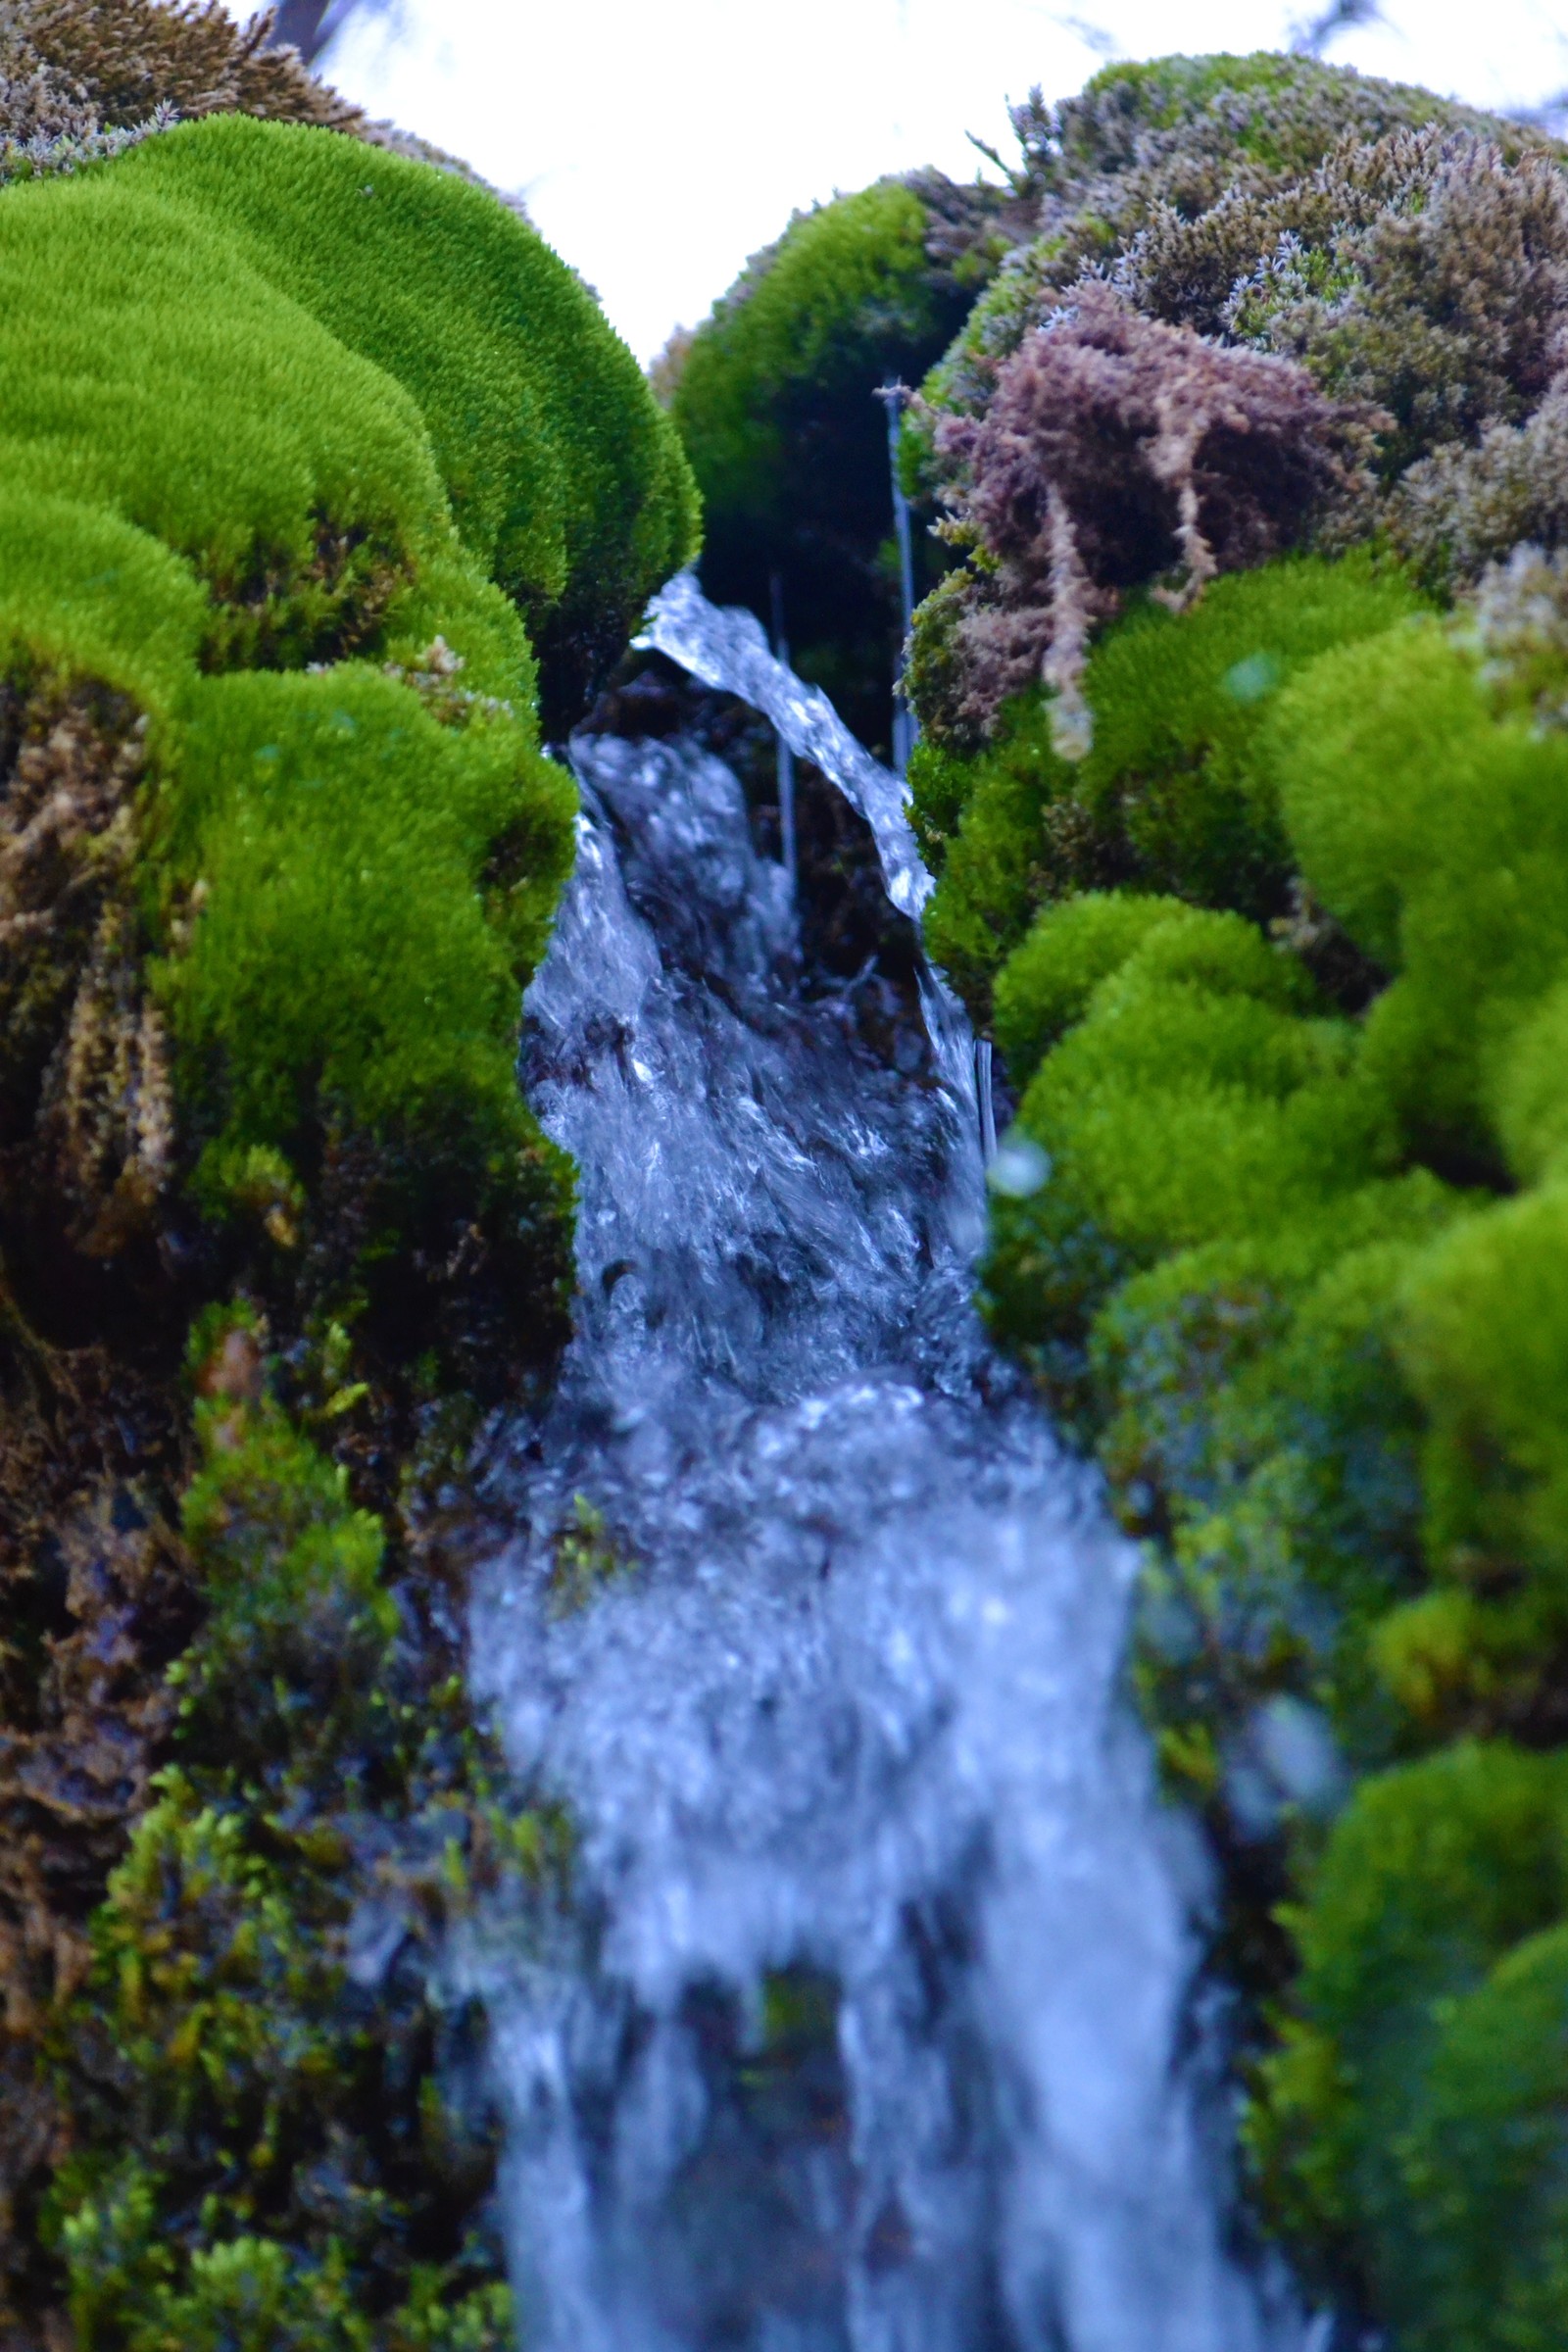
x: 730, y: 649
x: 871, y: 2023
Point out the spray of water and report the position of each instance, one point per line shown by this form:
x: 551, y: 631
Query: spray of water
x: 870, y: 2022
x: 728, y: 648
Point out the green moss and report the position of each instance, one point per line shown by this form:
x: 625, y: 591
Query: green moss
x: 842, y: 294
x: 1046, y: 986
x: 1253, y: 1420
x: 587, y: 1557
x: 1163, y: 92
x: 1488, y: 1353
x: 82, y: 590
x: 774, y: 402
x: 566, y: 482
x: 299, y: 438
x: 147, y: 370
x: 1297, y: 1267
x: 1179, y: 793
x: 346, y: 962
x: 273, y: 2146
x: 183, y: 424
x: 1192, y: 1099
x: 1434, y: 831
x: 1417, y: 2102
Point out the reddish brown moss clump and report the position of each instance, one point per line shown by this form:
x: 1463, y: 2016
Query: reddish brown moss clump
x: 1117, y: 450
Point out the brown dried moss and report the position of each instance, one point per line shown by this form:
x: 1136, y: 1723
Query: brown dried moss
x: 1118, y: 450
x: 1177, y: 140
x: 1410, y: 256
x: 87, y: 1112
x: 1464, y: 508
x: 71, y: 68
x: 94, y: 1588
x: 95, y: 1599
x: 1438, y: 290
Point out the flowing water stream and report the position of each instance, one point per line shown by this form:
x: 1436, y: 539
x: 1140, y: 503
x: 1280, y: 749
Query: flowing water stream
x: 871, y: 2025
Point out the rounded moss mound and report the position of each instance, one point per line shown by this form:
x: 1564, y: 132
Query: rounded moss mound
x: 372, y: 414
x: 1171, y: 172
x: 775, y: 400
x: 1269, y: 304
x: 566, y: 484
x: 1177, y: 792
x: 1417, y: 2103
x: 300, y: 440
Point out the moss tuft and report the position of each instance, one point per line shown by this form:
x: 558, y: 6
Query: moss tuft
x: 1179, y: 793
x: 567, y: 483
x: 83, y: 80
x: 278, y: 2134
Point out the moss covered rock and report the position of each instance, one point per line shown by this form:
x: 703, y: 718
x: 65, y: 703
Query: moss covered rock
x: 1237, y: 256
x: 307, y: 446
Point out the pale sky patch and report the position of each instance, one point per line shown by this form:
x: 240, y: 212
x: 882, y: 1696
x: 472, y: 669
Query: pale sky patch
x: 659, y: 145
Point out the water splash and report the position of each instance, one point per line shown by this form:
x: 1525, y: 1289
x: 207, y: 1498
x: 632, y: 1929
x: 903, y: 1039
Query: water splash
x: 872, y: 2024
x: 727, y: 647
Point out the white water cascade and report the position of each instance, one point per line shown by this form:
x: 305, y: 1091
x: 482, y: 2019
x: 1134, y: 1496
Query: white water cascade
x: 872, y: 2023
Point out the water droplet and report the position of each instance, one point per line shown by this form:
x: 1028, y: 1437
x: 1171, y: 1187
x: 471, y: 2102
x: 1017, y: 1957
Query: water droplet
x: 1019, y: 1170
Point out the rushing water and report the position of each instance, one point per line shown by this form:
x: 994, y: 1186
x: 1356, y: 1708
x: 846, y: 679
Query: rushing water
x: 870, y: 2026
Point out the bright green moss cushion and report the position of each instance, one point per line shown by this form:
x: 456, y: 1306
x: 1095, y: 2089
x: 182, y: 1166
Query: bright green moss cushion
x: 1179, y: 791
x: 81, y: 589
x: 1292, y: 1251
x: 346, y: 961
x: 146, y: 369
x: 1437, y: 830
x: 1191, y: 1099
x: 566, y: 482
x: 1486, y: 1348
x: 273, y: 403
x: 293, y: 436
x: 1425, y: 2091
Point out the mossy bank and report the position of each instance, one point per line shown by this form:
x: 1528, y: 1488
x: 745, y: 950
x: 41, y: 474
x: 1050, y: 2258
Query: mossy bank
x: 1247, y: 803
x: 320, y: 472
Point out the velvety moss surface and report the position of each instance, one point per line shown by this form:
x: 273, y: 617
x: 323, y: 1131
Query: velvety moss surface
x: 565, y: 483
x: 313, y: 460
x: 774, y: 398
x: 1278, y: 971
